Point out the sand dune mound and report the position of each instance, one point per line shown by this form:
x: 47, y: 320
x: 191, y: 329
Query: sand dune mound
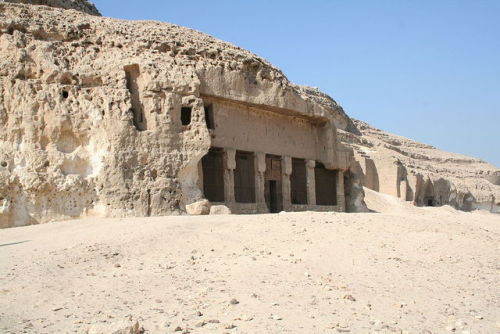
x: 379, y: 202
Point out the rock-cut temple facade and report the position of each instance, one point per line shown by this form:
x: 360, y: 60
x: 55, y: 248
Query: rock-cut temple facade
x: 106, y: 117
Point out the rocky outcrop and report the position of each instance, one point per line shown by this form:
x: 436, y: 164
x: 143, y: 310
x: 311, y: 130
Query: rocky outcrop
x: 421, y: 173
x: 90, y: 109
x: 80, y: 5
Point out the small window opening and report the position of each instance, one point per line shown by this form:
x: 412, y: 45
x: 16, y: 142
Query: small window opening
x: 209, y: 117
x: 65, y: 94
x: 186, y: 115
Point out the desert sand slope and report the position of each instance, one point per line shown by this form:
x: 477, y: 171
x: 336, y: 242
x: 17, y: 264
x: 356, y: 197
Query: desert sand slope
x: 406, y: 270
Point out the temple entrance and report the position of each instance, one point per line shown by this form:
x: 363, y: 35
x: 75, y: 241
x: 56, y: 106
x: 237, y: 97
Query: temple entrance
x: 273, y: 184
x: 244, y: 177
x: 326, y: 185
x: 273, y: 197
x: 213, y: 175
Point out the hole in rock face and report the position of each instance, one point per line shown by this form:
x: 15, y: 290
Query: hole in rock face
x: 4, y: 164
x: 209, y: 117
x: 186, y: 115
x: 132, y: 76
x: 65, y: 94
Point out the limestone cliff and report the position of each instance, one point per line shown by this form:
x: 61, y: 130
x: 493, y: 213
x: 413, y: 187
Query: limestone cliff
x: 89, y: 110
x: 421, y: 173
x: 80, y: 5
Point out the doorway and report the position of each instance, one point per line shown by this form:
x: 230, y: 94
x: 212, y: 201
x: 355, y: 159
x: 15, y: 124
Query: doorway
x: 273, y: 197
x: 326, y: 185
x: 244, y: 177
x: 273, y: 184
x: 213, y: 175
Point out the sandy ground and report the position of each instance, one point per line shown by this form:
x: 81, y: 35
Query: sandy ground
x: 400, y: 270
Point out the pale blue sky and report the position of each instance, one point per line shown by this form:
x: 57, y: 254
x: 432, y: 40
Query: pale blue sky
x: 427, y: 70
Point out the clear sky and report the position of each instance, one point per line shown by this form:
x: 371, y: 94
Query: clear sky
x: 424, y: 69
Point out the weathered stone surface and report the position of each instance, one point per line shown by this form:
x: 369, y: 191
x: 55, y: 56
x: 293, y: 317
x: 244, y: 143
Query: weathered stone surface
x: 90, y: 112
x: 90, y: 121
x: 79, y: 5
x: 420, y: 173
x: 219, y: 210
x: 198, y: 208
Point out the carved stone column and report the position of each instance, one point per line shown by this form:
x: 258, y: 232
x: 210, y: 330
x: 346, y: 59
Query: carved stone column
x: 311, y: 182
x: 230, y: 166
x: 403, y: 190
x: 340, y: 191
x: 286, y: 186
x: 260, y: 170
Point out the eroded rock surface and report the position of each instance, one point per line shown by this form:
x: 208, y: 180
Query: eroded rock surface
x: 90, y: 109
x: 83, y: 6
x: 420, y: 173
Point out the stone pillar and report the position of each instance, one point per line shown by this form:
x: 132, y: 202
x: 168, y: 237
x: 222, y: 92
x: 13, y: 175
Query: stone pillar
x: 230, y: 164
x: 403, y: 190
x: 340, y: 191
x: 260, y: 170
x: 311, y: 182
x: 286, y: 171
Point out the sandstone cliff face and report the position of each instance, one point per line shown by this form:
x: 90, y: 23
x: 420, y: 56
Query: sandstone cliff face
x: 421, y: 173
x: 90, y: 109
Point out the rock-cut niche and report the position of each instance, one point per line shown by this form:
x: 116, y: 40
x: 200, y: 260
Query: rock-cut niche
x: 133, y: 77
